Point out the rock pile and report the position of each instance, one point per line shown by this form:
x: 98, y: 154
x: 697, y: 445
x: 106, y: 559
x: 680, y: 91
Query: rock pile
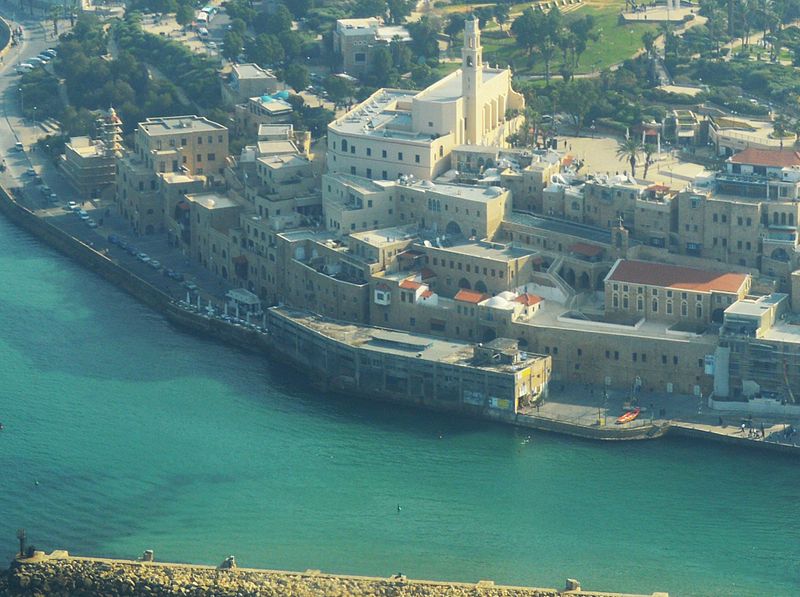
x: 60, y: 575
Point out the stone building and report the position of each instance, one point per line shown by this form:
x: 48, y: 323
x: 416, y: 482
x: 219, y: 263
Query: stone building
x: 355, y: 41
x: 396, y: 133
x: 642, y: 289
x: 89, y: 164
x: 246, y: 81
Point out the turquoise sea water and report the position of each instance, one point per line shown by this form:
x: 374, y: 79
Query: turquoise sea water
x: 141, y: 437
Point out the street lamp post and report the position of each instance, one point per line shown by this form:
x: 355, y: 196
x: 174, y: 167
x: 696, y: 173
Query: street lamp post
x: 34, y: 116
x: 21, y: 100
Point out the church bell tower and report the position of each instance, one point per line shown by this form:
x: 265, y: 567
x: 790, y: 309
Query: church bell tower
x: 471, y: 80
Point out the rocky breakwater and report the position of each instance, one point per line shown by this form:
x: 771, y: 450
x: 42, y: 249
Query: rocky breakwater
x: 60, y: 574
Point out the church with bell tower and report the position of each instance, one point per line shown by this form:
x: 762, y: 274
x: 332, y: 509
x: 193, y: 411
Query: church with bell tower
x: 413, y: 133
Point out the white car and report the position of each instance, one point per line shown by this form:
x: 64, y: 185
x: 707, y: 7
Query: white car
x: 24, y: 67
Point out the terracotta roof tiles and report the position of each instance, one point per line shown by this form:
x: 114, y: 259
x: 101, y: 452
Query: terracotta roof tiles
x: 673, y: 276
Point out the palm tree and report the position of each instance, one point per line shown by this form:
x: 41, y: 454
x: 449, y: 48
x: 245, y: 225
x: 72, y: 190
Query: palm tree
x: 649, y: 149
x: 629, y: 150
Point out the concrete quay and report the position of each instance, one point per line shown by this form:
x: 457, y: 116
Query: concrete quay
x: 60, y: 574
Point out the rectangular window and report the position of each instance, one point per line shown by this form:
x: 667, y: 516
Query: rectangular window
x: 384, y: 175
x: 369, y: 175
x: 211, y: 157
x: 383, y: 153
x: 369, y: 151
x: 416, y: 158
x: 199, y: 157
x: 400, y: 156
x: 352, y: 170
x: 352, y: 149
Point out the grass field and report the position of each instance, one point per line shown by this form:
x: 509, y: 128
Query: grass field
x: 615, y: 44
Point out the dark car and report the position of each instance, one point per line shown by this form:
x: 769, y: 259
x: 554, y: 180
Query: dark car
x: 113, y: 239
x: 133, y: 250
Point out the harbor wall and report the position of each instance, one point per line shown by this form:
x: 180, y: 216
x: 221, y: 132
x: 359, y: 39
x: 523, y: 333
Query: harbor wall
x: 126, y: 280
x: 62, y: 575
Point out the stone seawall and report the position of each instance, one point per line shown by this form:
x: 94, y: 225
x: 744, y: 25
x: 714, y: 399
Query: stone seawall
x: 126, y: 280
x: 62, y: 575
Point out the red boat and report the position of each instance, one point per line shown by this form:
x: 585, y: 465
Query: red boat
x: 629, y: 416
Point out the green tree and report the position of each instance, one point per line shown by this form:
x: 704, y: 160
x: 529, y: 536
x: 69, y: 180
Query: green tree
x: 402, y: 57
x: 265, y: 50
x: 501, y: 14
x: 339, y: 89
x: 425, y: 38
x: 184, y: 15
x: 383, y: 73
x: 399, y: 10
x: 280, y: 19
x: 292, y: 43
x: 527, y: 28
x: 454, y: 26
x: 300, y: 8
x: 649, y: 42
x: 369, y: 8
x: 629, y: 150
x: 577, y: 98
x: 232, y: 45
x: 296, y: 76
x: 55, y: 14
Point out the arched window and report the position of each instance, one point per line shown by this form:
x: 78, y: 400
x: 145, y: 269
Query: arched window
x: 669, y: 307
x: 775, y: 218
x: 654, y: 306
x: 639, y: 304
x: 684, y: 309
x: 783, y: 219
x: 344, y: 144
x: 615, y: 301
x: 699, y: 310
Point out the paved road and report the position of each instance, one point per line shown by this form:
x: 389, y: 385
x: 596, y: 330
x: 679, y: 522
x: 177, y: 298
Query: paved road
x: 13, y: 129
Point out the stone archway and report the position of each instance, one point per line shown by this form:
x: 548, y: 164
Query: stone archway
x: 779, y: 254
x: 480, y: 286
x: 583, y: 281
x: 452, y: 229
x: 464, y: 283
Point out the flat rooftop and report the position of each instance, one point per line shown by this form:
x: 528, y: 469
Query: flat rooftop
x: 251, y: 71
x: 384, y: 236
x: 276, y: 147
x: 380, y: 116
x: 484, y: 250
x: 170, y: 125
x: 590, y: 233
x: 212, y: 200
x: 404, y: 344
x: 479, y: 193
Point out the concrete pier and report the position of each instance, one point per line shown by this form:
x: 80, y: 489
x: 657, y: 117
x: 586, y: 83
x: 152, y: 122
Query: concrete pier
x: 59, y: 574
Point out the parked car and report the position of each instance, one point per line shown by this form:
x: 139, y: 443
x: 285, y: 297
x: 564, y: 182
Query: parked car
x: 155, y: 264
x: 143, y: 257
x: 91, y: 223
x: 132, y: 250
x: 51, y: 52
x: 30, y: 172
x: 24, y: 67
x: 113, y: 239
x: 18, y: 146
x: 72, y: 205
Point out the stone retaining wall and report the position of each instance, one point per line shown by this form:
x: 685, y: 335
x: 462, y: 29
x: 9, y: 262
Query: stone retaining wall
x: 60, y: 574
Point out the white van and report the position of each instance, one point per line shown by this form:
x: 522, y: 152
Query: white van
x: 202, y: 32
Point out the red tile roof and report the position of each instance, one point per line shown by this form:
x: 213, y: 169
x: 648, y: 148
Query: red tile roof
x: 658, y: 188
x: 427, y: 294
x: 528, y: 299
x: 775, y: 158
x: 673, y: 276
x: 470, y: 296
x: 410, y: 285
x: 585, y: 249
x: 382, y: 286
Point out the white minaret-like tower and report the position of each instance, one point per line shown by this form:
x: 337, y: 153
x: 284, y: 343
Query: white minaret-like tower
x: 471, y: 80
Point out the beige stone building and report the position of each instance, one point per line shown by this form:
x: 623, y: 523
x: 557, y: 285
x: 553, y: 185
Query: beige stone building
x: 355, y: 41
x: 641, y: 289
x: 190, y: 144
x: 396, y: 133
x: 246, y: 81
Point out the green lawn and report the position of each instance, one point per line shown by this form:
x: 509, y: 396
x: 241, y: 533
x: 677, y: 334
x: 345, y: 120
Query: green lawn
x: 615, y: 44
